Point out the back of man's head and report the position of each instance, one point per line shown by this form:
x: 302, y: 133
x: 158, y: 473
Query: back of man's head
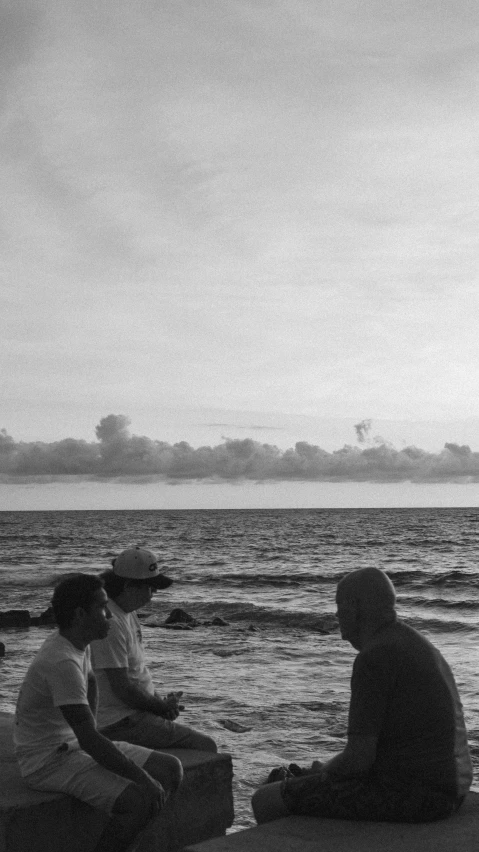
x: 373, y: 593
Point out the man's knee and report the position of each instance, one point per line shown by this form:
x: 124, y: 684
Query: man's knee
x: 268, y: 803
x: 201, y: 742
x: 166, y: 768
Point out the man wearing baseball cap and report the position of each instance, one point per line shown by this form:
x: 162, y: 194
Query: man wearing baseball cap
x: 129, y: 707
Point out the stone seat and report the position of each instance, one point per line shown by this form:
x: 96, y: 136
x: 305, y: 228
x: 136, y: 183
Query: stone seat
x: 459, y: 833
x: 32, y: 821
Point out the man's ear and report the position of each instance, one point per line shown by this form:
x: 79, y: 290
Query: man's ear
x: 79, y: 615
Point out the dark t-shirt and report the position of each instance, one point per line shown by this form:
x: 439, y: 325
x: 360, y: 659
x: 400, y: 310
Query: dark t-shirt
x: 403, y: 692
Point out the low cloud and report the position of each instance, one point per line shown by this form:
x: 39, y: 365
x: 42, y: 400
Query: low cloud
x: 363, y: 430
x: 119, y: 454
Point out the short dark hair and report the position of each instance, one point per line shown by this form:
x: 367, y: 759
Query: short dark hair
x: 114, y: 584
x: 75, y: 591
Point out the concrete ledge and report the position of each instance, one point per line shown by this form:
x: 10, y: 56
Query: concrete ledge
x: 32, y: 821
x: 459, y: 833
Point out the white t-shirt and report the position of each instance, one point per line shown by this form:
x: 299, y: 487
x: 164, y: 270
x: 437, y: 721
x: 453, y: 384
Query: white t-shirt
x: 122, y: 649
x: 58, y: 675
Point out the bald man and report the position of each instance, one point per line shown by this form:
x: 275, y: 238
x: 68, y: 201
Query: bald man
x: 406, y: 758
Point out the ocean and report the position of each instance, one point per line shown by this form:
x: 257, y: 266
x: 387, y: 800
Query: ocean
x: 278, y: 671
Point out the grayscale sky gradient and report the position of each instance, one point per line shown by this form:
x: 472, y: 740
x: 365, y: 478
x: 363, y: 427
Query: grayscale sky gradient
x: 240, y: 220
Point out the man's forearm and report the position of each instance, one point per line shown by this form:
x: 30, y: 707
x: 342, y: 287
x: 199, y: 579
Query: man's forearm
x: 92, y: 693
x: 104, y: 752
x: 139, y: 699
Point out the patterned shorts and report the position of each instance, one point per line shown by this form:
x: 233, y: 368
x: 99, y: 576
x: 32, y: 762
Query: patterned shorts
x: 365, y: 799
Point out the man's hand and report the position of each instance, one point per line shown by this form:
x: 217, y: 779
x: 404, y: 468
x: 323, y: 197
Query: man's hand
x: 154, y: 792
x: 172, y: 706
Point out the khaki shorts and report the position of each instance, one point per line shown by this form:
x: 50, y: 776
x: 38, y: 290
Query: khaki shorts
x: 155, y: 732
x: 76, y: 773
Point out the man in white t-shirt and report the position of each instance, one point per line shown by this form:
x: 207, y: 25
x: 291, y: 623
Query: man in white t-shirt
x: 129, y: 707
x: 57, y: 744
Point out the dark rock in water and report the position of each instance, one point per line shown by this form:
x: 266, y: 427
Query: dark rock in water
x: 219, y: 622
x: 2, y: 649
x: 231, y: 725
x: 45, y: 618
x: 252, y: 628
x: 179, y: 625
x: 179, y: 616
x: 15, y: 618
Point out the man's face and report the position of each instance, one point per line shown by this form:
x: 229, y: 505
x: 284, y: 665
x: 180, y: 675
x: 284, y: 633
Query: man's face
x: 347, y: 615
x: 96, y: 619
x: 139, y: 595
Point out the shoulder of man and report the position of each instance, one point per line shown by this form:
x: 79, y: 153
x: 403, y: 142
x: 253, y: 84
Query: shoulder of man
x: 380, y: 652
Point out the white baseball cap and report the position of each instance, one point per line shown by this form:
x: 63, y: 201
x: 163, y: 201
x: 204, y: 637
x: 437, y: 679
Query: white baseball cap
x: 136, y: 563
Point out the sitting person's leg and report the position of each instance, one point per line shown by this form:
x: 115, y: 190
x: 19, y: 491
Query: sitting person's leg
x: 128, y: 816
x: 155, y: 732
x: 77, y: 774
x: 130, y: 813
x: 268, y: 803
x: 166, y: 768
x: 353, y: 799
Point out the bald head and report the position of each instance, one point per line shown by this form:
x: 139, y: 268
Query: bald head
x: 371, y: 587
x: 366, y: 600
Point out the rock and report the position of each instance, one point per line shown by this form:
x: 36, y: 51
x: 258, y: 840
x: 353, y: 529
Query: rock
x: 457, y: 833
x: 252, y: 628
x: 179, y: 616
x: 45, y: 618
x: 2, y: 649
x: 219, y: 622
x: 178, y: 625
x: 230, y: 725
x: 15, y: 618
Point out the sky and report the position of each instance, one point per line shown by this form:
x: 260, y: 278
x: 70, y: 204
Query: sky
x: 231, y: 222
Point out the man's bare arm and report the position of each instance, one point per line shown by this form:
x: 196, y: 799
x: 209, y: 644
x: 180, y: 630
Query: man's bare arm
x: 138, y: 699
x: 92, y: 693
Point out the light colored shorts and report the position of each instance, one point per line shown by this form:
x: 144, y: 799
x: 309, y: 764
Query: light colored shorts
x: 155, y: 732
x: 76, y: 773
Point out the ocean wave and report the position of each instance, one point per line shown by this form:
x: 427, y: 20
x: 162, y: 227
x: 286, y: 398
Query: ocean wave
x: 307, y: 621
x: 440, y: 603
x: 455, y: 577
x: 400, y: 577
x: 438, y: 625
x: 31, y: 580
x: 263, y: 616
x: 249, y: 578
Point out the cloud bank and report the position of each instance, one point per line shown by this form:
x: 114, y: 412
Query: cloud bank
x: 119, y: 454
